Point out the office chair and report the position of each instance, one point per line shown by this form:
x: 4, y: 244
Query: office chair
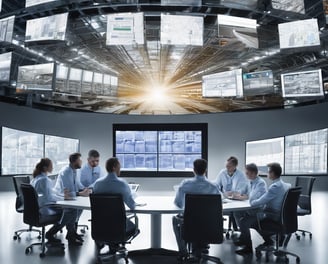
x: 282, y: 229
x: 203, y: 223
x: 34, y: 218
x: 108, y: 225
x: 19, y: 205
x: 304, y: 202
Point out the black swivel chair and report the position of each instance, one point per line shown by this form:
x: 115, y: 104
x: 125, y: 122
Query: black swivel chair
x: 19, y: 205
x: 283, y: 228
x: 203, y: 222
x: 33, y: 217
x: 108, y: 224
x: 304, y: 202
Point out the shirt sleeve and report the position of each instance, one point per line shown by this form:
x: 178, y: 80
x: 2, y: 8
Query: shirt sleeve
x: 127, y: 197
x: 266, y: 197
x: 218, y: 181
x: 59, y: 186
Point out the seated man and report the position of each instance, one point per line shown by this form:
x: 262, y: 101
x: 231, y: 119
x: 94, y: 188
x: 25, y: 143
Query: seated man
x: 91, y: 171
x: 256, y: 188
x: 111, y: 184
x: 270, y: 202
x: 197, y: 185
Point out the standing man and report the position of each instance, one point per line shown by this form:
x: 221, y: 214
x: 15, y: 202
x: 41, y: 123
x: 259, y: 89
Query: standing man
x: 112, y: 184
x: 271, y: 203
x: 231, y: 181
x: 91, y: 171
x: 197, y: 185
x: 68, y: 185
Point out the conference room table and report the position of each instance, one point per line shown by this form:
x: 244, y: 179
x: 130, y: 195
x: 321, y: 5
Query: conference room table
x: 155, y: 206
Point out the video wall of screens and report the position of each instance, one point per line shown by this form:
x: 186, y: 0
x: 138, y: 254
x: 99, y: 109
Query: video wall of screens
x: 37, y: 2
x: 7, y: 29
x: 125, y: 29
x: 159, y: 150
x: 188, y: 30
x: 46, y: 28
x: 298, y: 154
x: 302, y: 84
x: 263, y: 152
x: 223, y: 84
x: 258, y: 83
x: 5, y: 65
x: 243, y: 29
x: 22, y: 150
x: 37, y: 77
x: 306, y: 153
x: 58, y: 150
x: 296, y: 6
x: 297, y: 34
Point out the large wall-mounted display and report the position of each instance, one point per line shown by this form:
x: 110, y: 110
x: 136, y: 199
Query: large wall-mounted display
x: 291, y: 6
x: 46, y: 28
x: 125, y: 29
x: 302, y: 84
x: 29, y: 3
x: 7, y: 29
x: 223, y: 84
x: 5, y: 65
x: 258, y: 83
x: 22, y: 150
x: 159, y: 150
x: 188, y: 30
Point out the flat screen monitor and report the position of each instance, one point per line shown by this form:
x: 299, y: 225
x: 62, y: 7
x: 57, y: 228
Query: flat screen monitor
x: 74, y: 81
x: 223, y: 84
x: 302, y: 84
x: 263, y: 152
x: 258, y: 83
x: 5, y: 65
x: 37, y: 77
x: 125, y: 29
x: 306, y: 153
x: 46, y: 28
x: 296, y: 6
x: 159, y: 150
x: 299, y: 34
x: 58, y: 150
x: 20, y: 151
x: 240, y: 28
x: 182, y: 30
x: 29, y: 3
x: 61, y: 78
x: 7, y: 29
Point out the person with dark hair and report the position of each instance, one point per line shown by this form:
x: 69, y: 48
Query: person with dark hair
x: 231, y: 181
x: 91, y: 171
x: 270, y: 204
x: 112, y: 184
x: 199, y: 184
x: 47, y: 197
x: 68, y: 185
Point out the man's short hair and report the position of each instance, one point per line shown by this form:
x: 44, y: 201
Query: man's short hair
x: 200, y: 166
x: 275, y: 168
x: 74, y: 157
x: 93, y: 153
x: 252, y: 168
x: 233, y: 160
x: 111, y: 163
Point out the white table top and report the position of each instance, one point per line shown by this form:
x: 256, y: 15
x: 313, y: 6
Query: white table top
x: 155, y: 205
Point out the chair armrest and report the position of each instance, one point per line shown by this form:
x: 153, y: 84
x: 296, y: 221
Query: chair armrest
x: 133, y: 216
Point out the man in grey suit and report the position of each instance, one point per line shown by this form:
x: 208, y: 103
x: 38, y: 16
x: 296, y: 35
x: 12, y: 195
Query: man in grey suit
x: 271, y: 202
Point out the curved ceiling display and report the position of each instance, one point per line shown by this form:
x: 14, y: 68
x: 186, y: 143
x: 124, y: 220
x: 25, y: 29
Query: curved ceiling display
x: 157, y: 57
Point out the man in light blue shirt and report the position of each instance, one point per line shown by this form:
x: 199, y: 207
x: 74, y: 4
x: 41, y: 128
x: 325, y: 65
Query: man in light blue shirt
x: 91, y: 171
x: 197, y: 185
x: 68, y: 185
x: 270, y: 202
x: 112, y: 184
x: 231, y: 180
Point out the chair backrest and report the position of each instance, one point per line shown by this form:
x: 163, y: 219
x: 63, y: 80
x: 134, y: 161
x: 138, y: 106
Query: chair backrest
x: 108, y: 218
x: 203, y: 221
x: 306, y: 182
x: 31, y: 214
x: 289, y: 210
x: 18, y: 180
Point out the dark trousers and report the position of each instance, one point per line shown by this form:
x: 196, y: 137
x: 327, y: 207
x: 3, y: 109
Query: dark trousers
x: 68, y: 219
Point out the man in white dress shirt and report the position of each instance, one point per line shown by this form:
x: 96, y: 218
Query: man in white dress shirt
x: 91, y: 171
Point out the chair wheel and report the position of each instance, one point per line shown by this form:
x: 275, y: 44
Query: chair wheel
x: 39, y: 237
x: 15, y: 237
x: 42, y: 255
x: 28, y: 250
x: 227, y: 235
x: 82, y: 230
x: 310, y: 236
x: 303, y: 233
x: 298, y: 237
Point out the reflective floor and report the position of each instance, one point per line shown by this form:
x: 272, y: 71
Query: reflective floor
x: 11, y: 252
